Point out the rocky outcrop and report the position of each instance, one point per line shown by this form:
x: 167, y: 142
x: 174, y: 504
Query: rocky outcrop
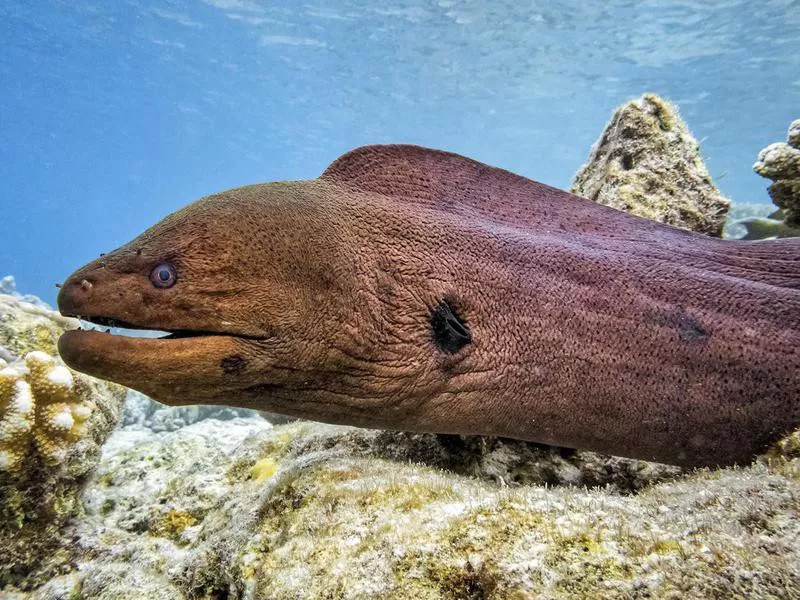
x: 241, y: 509
x: 780, y: 162
x: 648, y: 163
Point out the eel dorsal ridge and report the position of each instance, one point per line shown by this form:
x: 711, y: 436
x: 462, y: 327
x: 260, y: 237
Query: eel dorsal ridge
x: 452, y: 183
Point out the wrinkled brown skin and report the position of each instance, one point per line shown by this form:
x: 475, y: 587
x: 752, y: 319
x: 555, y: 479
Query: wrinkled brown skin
x: 591, y: 328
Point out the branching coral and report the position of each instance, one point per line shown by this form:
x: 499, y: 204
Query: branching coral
x: 43, y: 408
x: 780, y: 162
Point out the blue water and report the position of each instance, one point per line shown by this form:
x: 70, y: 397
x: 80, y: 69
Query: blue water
x: 113, y: 114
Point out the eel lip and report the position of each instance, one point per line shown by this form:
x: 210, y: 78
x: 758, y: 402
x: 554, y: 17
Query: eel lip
x: 164, y: 369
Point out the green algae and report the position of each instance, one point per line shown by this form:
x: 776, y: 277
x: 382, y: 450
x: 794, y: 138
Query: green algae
x: 173, y: 523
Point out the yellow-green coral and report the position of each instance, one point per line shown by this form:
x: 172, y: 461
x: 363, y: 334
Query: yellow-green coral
x: 52, y: 424
x: 44, y: 408
x: 264, y: 469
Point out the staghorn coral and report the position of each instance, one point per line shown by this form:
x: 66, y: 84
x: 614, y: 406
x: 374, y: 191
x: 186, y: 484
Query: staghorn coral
x: 780, y: 162
x: 648, y: 163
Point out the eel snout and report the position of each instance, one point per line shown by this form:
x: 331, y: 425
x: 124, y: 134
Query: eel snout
x: 168, y: 367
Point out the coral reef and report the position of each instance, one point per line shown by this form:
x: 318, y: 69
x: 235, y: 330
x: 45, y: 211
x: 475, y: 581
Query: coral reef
x: 8, y: 287
x: 780, y: 162
x: 241, y: 509
x: 648, y: 163
x: 52, y: 424
x: 184, y: 506
x: 147, y: 413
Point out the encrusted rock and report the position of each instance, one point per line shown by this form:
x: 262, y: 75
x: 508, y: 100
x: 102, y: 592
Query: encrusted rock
x: 780, y: 162
x: 647, y: 162
x: 27, y: 326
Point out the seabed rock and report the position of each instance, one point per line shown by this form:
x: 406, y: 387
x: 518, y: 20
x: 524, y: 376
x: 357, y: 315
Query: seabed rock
x: 242, y: 509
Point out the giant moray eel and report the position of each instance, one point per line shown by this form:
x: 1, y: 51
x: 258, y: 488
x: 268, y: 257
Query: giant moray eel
x: 413, y: 289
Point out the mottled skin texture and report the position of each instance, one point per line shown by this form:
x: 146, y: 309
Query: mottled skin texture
x: 590, y: 328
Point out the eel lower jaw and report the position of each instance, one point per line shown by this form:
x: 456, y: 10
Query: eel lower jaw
x: 174, y: 370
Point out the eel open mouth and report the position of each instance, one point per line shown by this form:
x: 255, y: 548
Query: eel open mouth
x: 122, y: 328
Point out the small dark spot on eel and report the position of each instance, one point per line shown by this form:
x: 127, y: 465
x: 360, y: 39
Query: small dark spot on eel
x: 233, y: 365
x: 685, y: 324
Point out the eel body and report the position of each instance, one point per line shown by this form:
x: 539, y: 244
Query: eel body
x: 414, y: 289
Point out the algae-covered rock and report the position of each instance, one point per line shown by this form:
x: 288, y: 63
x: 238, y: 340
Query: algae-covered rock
x: 648, y: 163
x: 241, y: 509
x: 780, y: 162
x: 336, y: 520
x: 25, y: 327
x: 52, y: 424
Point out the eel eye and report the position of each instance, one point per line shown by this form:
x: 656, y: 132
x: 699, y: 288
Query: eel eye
x: 163, y: 276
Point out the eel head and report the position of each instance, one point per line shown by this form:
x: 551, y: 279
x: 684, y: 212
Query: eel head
x: 266, y: 300
x: 212, y: 277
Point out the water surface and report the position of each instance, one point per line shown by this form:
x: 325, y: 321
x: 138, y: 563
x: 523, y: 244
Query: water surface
x: 114, y: 114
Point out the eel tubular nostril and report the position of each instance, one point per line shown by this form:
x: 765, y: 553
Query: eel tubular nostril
x: 86, y: 285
